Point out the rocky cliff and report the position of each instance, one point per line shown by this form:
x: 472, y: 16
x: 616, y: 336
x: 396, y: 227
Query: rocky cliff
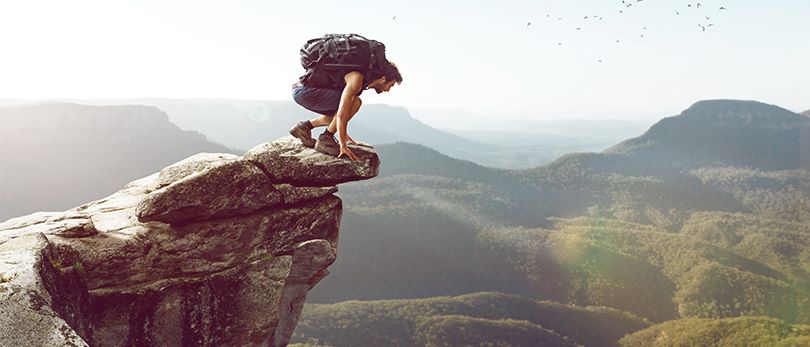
x: 214, y: 250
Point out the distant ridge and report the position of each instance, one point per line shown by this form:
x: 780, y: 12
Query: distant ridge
x: 73, y: 153
x: 419, y: 159
x: 242, y: 124
x: 713, y: 132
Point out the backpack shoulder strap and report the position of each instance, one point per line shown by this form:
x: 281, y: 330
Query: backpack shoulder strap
x: 377, y: 50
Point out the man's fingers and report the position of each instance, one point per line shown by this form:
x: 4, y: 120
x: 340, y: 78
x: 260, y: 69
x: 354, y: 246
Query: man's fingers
x: 348, y: 152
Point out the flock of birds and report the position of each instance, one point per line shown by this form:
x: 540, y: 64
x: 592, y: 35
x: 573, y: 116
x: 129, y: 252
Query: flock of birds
x: 628, y: 4
x: 642, y: 34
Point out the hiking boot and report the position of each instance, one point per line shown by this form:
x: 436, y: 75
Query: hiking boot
x: 302, y: 132
x: 326, y: 144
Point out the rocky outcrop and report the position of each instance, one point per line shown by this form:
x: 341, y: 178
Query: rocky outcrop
x: 214, y: 250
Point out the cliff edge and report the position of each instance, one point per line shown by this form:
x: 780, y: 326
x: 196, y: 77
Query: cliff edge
x: 214, y: 250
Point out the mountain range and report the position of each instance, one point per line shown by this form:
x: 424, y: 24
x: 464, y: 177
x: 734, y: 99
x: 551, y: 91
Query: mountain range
x: 643, y: 227
x: 523, y: 143
x: 703, y: 216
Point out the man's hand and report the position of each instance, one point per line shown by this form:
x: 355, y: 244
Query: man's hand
x: 344, y: 149
x: 351, y: 140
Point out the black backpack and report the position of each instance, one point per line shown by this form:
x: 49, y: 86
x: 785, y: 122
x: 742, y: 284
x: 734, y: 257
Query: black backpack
x: 327, y: 59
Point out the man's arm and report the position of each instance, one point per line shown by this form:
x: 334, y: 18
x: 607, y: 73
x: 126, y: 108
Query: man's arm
x: 354, y: 81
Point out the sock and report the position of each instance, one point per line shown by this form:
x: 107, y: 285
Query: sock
x: 327, y: 133
x: 308, y: 124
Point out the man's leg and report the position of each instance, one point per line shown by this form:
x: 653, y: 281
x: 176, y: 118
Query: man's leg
x: 316, y: 100
x: 321, y: 121
x: 356, y: 103
x: 326, y: 143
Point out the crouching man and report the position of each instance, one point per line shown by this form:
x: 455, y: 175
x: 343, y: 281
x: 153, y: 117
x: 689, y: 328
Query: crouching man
x: 336, y: 108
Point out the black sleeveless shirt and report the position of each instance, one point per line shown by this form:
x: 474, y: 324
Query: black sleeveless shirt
x: 368, y: 77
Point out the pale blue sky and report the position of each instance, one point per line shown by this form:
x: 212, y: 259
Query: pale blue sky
x: 475, y: 55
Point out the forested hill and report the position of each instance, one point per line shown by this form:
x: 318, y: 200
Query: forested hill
x: 731, y: 132
x: 485, y: 319
x: 655, y: 171
x: 709, y: 133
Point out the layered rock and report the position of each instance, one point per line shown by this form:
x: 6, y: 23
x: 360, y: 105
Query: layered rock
x: 215, y: 250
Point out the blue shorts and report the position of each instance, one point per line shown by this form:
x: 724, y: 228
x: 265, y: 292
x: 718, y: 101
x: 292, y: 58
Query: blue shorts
x: 323, y: 101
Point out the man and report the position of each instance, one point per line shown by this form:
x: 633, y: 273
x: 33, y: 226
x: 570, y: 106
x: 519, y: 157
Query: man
x: 338, y: 106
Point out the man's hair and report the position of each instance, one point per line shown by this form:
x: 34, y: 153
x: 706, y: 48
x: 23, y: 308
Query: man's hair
x: 391, y: 72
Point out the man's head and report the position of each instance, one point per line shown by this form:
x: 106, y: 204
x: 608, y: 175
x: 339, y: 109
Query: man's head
x: 390, y: 75
x: 382, y: 84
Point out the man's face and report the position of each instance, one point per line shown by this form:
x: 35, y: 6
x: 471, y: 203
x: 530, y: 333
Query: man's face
x: 385, y: 86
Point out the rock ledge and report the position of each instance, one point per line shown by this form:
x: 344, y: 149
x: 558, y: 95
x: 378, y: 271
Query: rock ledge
x: 214, y: 250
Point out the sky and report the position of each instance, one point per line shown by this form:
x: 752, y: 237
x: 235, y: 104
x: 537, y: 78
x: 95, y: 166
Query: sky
x: 480, y: 56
